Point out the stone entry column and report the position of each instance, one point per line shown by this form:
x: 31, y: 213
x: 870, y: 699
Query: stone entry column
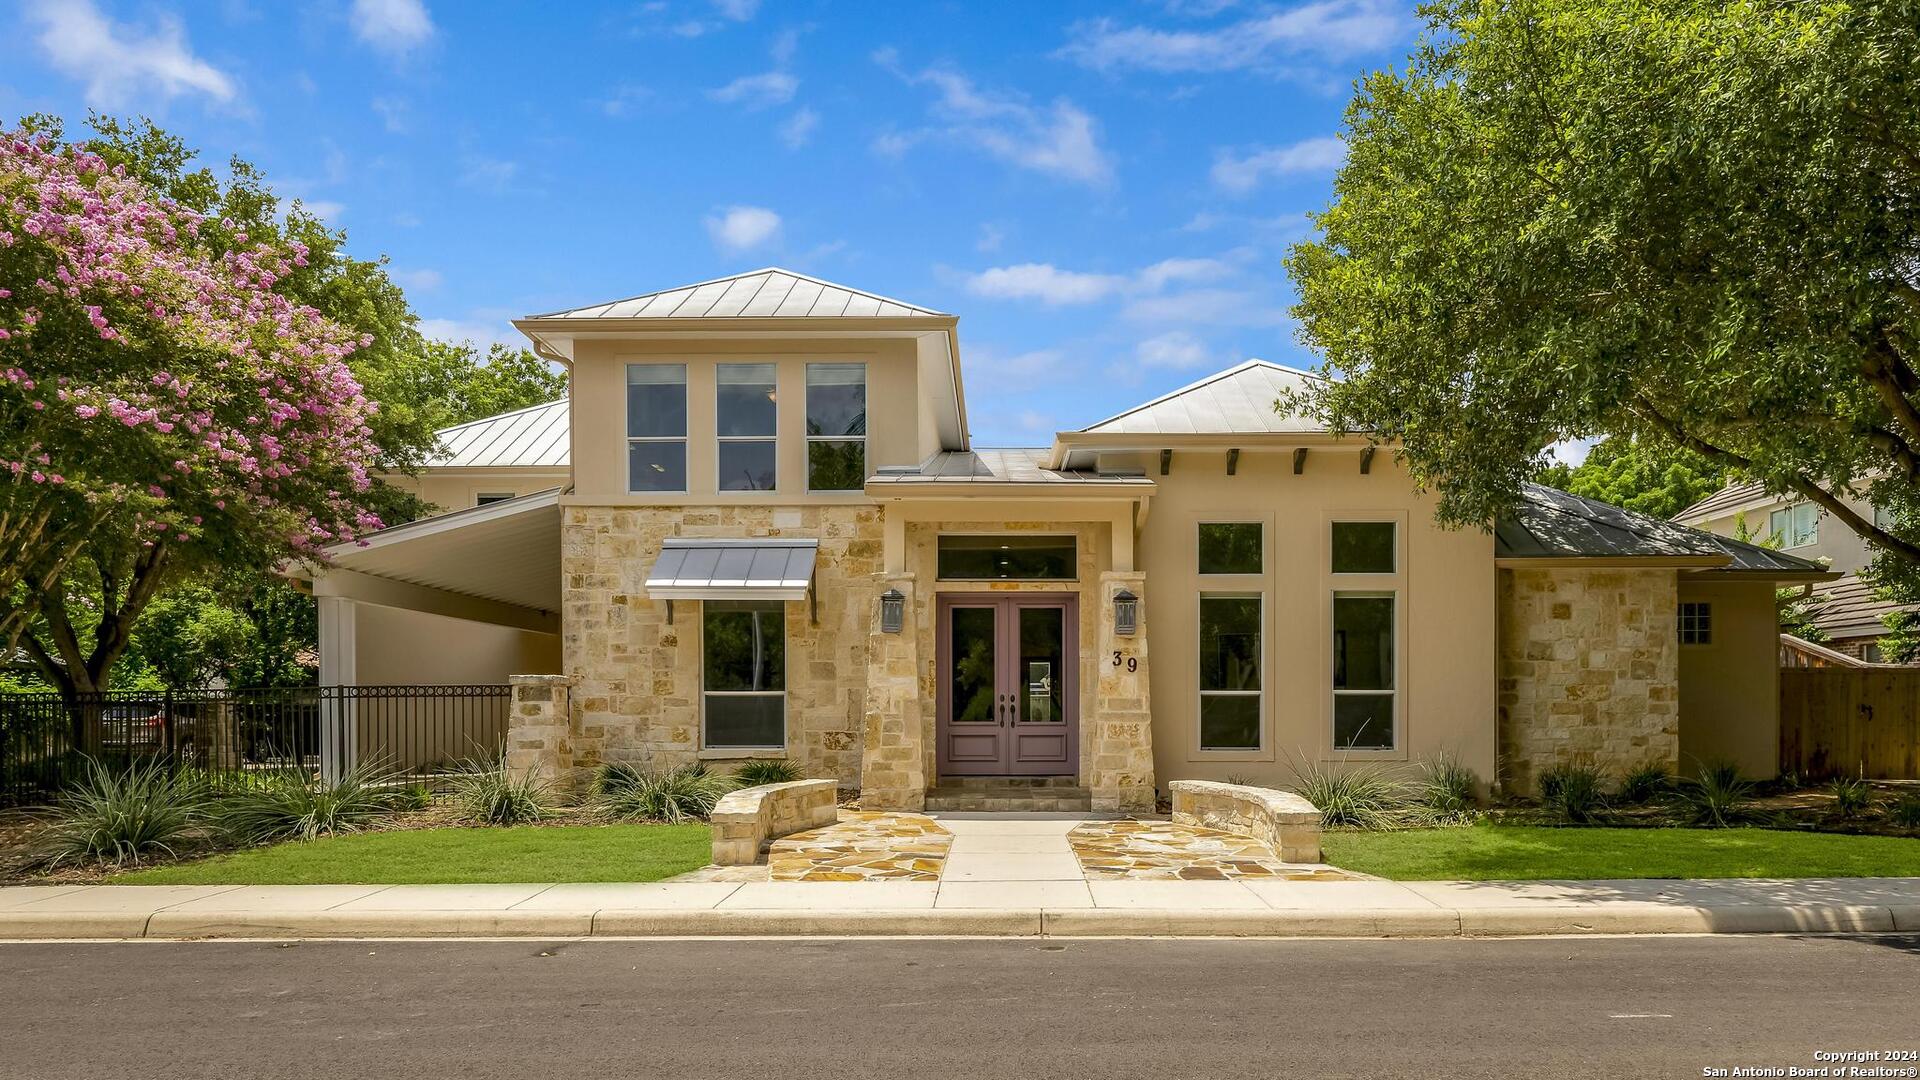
x: 1121, y: 774
x: 539, y: 736
x: 893, y: 759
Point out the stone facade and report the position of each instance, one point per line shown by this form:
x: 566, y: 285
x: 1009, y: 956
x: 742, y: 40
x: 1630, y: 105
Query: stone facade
x: 745, y: 820
x: 1589, y: 670
x: 1121, y: 772
x: 894, y: 769
x: 637, y: 691
x: 539, y: 735
x: 1286, y: 823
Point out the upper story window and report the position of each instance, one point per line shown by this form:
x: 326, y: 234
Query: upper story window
x: 746, y: 414
x: 836, y: 427
x: 1795, y: 526
x: 1230, y: 547
x: 656, y: 427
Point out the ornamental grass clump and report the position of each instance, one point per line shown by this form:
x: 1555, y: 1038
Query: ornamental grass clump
x: 295, y: 806
x: 766, y: 771
x: 627, y: 793
x: 1718, y: 798
x: 1575, y: 794
x: 488, y: 793
x: 1447, y: 792
x: 1354, y: 796
x: 1644, y: 783
x: 123, y: 815
x: 1851, y: 797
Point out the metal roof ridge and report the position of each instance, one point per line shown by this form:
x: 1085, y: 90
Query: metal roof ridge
x: 1252, y: 362
x: 922, y: 308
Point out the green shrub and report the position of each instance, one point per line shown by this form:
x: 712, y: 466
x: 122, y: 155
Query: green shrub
x: 688, y: 793
x: 1357, y: 796
x: 1644, y: 783
x: 766, y: 771
x: 490, y: 794
x: 1447, y: 791
x: 1906, y: 812
x: 1719, y: 797
x: 293, y: 805
x: 1851, y: 797
x: 1575, y: 794
x: 120, y: 815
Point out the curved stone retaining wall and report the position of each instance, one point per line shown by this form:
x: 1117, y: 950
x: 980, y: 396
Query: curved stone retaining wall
x: 745, y: 820
x: 1283, y: 821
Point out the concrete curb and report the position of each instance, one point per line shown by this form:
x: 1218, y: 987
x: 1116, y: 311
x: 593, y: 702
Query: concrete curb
x: 1567, y: 919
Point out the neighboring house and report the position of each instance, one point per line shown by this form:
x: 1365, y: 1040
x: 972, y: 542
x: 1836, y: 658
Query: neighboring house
x: 767, y: 532
x: 1846, y: 611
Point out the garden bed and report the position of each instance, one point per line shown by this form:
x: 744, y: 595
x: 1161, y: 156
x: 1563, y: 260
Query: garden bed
x: 1495, y: 852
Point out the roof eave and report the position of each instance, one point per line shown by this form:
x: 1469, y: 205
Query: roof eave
x: 734, y: 324
x: 1636, y: 562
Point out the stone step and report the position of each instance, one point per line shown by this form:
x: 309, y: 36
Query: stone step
x: 1019, y: 795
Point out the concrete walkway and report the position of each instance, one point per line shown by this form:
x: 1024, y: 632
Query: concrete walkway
x: 991, y: 890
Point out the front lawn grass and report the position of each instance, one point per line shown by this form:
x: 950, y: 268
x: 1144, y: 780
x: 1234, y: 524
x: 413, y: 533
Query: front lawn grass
x: 1529, y: 852
x: 453, y: 856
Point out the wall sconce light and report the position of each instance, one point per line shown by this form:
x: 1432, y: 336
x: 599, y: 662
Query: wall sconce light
x: 1126, y: 613
x: 893, y: 611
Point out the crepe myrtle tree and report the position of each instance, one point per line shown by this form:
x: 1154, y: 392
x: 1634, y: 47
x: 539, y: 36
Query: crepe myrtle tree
x: 1692, y: 225
x: 163, y: 409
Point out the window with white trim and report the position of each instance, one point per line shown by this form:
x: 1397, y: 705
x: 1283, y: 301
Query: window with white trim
x: 1230, y: 672
x: 1696, y: 623
x: 836, y: 427
x: 746, y: 416
x: 1795, y: 526
x: 656, y: 427
x: 1363, y: 670
x: 743, y: 657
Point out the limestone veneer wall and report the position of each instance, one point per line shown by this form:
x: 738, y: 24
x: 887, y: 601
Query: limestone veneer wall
x: 637, y: 694
x: 1589, y: 670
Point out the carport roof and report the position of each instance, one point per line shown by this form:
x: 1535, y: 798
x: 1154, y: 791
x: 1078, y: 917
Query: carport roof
x: 507, y: 552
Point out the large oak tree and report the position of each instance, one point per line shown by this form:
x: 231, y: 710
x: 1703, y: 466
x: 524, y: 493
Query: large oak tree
x: 1688, y: 224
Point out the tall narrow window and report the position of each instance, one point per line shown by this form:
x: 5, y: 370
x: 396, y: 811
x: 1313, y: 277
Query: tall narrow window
x: 743, y: 653
x: 1229, y: 673
x: 836, y: 427
x: 1363, y: 671
x: 656, y: 427
x: 745, y: 416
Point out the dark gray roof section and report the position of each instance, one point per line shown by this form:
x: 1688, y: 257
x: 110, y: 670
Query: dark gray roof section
x: 1851, y: 608
x: 1552, y: 524
x: 997, y: 466
x: 1731, y: 497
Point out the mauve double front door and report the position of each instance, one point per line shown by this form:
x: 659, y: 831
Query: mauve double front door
x: 1007, y: 685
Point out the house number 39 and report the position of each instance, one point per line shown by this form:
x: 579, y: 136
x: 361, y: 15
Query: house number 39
x: 1132, y: 662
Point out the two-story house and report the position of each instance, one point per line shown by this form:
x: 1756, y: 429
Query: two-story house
x: 1846, y: 611
x: 758, y: 527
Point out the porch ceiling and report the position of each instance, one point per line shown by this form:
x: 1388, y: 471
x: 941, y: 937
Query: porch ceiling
x: 505, y: 551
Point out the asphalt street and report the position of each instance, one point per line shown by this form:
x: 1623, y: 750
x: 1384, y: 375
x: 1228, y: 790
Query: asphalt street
x: 935, y: 1009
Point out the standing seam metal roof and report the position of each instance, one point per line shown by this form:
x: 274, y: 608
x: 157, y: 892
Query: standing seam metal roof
x: 534, y: 437
x: 758, y: 294
x: 1239, y: 399
x: 1550, y: 523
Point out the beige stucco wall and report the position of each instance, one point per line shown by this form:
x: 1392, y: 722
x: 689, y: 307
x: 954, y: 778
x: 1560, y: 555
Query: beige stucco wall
x: 394, y: 646
x: 637, y: 690
x: 599, y: 395
x: 1839, y: 546
x: 458, y: 489
x: 1589, y: 670
x: 1730, y: 689
x: 1445, y: 590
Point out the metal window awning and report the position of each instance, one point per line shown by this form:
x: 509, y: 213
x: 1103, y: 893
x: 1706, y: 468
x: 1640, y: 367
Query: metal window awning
x: 691, y: 568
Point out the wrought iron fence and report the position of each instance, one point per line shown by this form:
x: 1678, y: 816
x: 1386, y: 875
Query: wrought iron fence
x: 411, y: 735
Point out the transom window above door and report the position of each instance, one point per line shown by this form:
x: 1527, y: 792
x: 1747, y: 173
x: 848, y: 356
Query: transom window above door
x: 990, y: 558
x: 746, y: 419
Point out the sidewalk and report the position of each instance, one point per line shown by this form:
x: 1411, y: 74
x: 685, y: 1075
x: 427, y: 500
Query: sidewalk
x: 1036, y: 906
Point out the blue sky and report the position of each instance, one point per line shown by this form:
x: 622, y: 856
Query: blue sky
x: 1103, y: 193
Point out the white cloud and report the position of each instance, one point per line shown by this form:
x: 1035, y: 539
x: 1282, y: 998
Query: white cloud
x: 737, y: 10
x: 1206, y: 307
x: 1176, y: 349
x: 1000, y: 367
x: 1046, y: 283
x: 1059, y: 139
x: 488, y: 174
x: 395, y: 27
x: 1325, y: 153
x: 393, y: 114
x: 1329, y: 29
x: 423, y: 280
x: 797, y: 129
x: 991, y: 237
x: 326, y: 210
x: 624, y: 98
x: 740, y: 228
x: 121, y: 64
x: 481, y: 331
x: 1056, y: 287
x: 758, y: 91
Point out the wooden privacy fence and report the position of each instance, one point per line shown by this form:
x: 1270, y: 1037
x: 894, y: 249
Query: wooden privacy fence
x: 1851, y: 721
